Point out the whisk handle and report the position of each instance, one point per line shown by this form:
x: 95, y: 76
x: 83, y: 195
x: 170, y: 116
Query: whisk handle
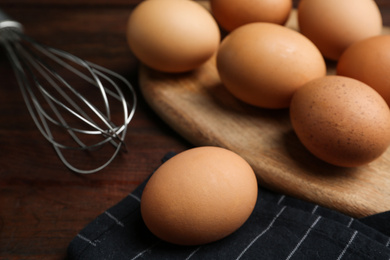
x: 7, y: 22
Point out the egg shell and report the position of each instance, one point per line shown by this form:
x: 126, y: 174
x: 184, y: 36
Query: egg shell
x: 341, y: 120
x: 172, y: 35
x: 369, y: 61
x: 263, y: 64
x: 232, y: 14
x: 199, y: 196
x: 333, y: 25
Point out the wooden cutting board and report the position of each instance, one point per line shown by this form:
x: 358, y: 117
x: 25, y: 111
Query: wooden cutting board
x: 198, y: 107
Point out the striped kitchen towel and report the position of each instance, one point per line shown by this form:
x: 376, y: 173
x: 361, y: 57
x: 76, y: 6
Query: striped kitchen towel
x: 280, y: 227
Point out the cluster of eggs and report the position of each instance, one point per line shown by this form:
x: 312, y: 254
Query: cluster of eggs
x: 343, y: 119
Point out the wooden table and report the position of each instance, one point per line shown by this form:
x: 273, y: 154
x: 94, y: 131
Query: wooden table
x: 42, y: 204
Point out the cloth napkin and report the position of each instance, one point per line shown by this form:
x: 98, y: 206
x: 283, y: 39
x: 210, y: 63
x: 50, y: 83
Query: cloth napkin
x: 280, y: 227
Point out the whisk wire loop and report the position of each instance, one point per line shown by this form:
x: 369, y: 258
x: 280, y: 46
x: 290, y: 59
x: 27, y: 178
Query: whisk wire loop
x: 52, y: 101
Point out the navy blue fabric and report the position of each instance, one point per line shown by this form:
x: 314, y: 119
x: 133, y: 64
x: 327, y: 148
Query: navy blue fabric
x: 281, y: 227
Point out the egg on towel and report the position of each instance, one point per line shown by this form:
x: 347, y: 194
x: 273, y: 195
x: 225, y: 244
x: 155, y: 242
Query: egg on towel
x: 199, y: 196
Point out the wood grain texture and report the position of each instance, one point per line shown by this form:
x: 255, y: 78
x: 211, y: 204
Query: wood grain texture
x: 197, y: 106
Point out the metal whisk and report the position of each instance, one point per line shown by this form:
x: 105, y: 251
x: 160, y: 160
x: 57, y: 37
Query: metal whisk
x: 57, y: 106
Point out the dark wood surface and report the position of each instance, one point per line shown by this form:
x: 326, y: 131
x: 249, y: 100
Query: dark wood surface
x: 42, y: 204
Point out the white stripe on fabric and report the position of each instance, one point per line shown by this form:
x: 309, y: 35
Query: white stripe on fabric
x: 350, y: 222
x: 135, y: 197
x: 86, y: 239
x: 314, y: 210
x: 346, y: 247
x: 143, y: 252
x: 262, y: 233
x: 193, y: 253
x: 303, y: 238
x: 114, y: 218
x: 281, y: 199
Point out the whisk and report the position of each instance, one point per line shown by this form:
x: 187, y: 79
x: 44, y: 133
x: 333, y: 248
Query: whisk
x: 57, y: 106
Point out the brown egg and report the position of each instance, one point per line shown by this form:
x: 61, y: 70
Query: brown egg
x: 199, y: 196
x: 231, y: 14
x: 369, y: 62
x: 333, y: 25
x: 263, y: 64
x: 341, y: 120
x: 172, y: 35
